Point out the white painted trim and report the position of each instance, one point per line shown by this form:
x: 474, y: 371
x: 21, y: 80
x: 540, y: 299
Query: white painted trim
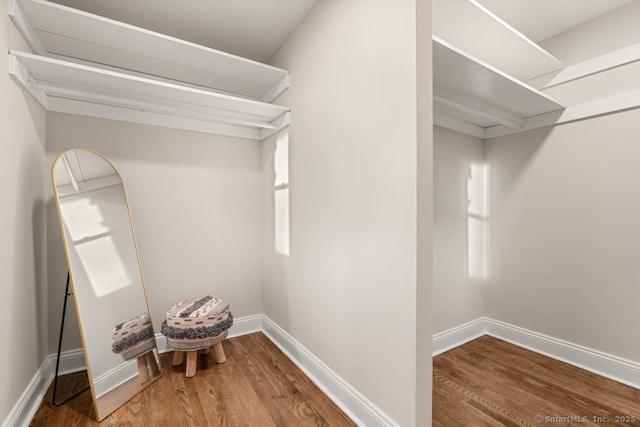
x: 362, y: 411
x: 103, y: 111
x: 618, y: 58
x: 606, y: 365
x: 587, y: 110
x: 70, y: 361
x: 353, y: 403
x: 455, y: 337
x: 490, y: 38
x: 458, y: 125
x: 29, y: 401
x: 567, y: 82
x: 278, y: 89
x: 246, y: 325
x: 62, y: 30
x: 480, y: 113
x: 68, y: 87
x: 114, y: 377
x: 609, y: 366
x: 25, y: 28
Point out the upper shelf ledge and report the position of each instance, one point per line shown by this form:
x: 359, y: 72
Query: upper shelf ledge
x: 473, y: 97
x: 62, y: 32
x: 475, y: 30
x: 67, y: 87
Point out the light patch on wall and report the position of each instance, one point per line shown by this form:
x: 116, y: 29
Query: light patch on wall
x: 478, y: 220
x: 281, y: 194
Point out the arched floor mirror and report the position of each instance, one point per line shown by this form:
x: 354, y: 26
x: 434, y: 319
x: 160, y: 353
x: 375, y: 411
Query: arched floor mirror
x: 106, y: 277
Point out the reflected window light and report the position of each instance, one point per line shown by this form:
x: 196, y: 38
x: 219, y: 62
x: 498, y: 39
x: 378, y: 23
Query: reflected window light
x: 103, y: 265
x: 82, y: 218
x: 281, y: 194
x: 478, y: 220
x: 93, y: 243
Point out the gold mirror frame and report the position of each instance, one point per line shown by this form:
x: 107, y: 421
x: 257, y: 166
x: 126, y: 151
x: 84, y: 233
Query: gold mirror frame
x: 105, y: 270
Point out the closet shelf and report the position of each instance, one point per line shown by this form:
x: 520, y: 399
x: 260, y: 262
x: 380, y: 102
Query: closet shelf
x: 68, y: 87
x: 471, y: 96
x: 73, y: 35
x: 94, y: 66
x: 475, y: 30
x: 489, y: 80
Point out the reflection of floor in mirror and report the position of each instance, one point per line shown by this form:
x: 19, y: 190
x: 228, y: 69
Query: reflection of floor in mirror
x: 257, y: 386
x: 111, y: 400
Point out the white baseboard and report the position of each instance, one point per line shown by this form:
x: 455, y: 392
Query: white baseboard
x: 361, y: 410
x: 28, y: 403
x: 354, y: 404
x: 454, y: 337
x: 70, y: 361
x: 246, y: 325
x: 606, y: 365
x: 115, y: 377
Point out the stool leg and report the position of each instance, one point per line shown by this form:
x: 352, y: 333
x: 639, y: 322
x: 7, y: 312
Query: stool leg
x: 178, y: 357
x: 192, y: 361
x: 205, y: 351
x: 143, y: 369
x: 219, y: 352
x: 154, y: 369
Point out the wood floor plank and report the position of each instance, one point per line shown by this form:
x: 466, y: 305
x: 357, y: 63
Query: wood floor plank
x: 489, y: 378
x: 302, y: 396
x: 256, y: 386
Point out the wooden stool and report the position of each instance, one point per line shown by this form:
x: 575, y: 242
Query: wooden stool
x: 192, y: 359
x: 192, y: 347
x: 147, y: 367
x: 134, y: 338
x: 196, y: 325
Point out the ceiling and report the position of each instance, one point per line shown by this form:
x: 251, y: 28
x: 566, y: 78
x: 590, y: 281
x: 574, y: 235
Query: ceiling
x: 253, y: 29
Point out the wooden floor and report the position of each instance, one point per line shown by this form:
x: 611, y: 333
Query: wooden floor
x: 489, y: 382
x: 257, y: 386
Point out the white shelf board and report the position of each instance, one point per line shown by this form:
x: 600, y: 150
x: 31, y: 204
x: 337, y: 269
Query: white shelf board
x: 471, y: 91
x: 602, y: 85
x: 79, y: 89
x: 62, y: 32
x: 599, y: 78
x: 474, y: 29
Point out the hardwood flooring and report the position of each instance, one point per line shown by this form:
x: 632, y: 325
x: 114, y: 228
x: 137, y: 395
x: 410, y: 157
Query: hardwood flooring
x: 257, y: 386
x: 489, y: 382
x: 486, y: 382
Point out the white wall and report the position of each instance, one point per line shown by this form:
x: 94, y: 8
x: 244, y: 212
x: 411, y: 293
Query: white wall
x: 347, y: 291
x: 459, y: 298
x: 612, y: 31
x: 22, y: 230
x: 196, y: 203
x: 566, y: 232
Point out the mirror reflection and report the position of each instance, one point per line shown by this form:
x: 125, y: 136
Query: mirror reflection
x: 106, y: 276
